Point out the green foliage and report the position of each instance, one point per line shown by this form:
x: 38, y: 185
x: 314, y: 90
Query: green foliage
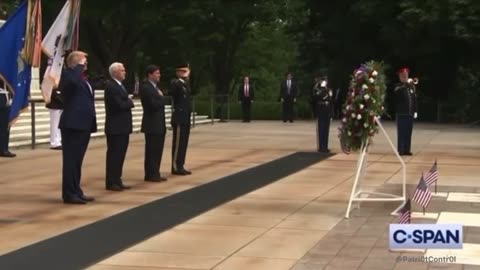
x: 364, y: 102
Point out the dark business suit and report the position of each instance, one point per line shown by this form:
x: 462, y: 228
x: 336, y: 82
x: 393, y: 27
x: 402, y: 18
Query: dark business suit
x: 4, y: 128
x: 118, y: 126
x: 246, y: 95
x: 288, y: 93
x: 153, y: 125
x: 77, y: 122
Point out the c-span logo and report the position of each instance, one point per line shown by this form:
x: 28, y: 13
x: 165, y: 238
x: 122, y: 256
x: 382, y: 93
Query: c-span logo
x: 421, y: 236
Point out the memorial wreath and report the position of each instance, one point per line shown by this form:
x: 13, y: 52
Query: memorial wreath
x: 363, y: 104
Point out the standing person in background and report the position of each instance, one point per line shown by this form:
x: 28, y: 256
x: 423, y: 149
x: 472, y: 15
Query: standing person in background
x: 288, y: 97
x: 5, y: 104
x: 55, y: 108
x: 118, y: 126
x: 246, y: 95
x: 406, y: 110
x: 77, y: 122
x: 153, y: 124
x: 181, y: 92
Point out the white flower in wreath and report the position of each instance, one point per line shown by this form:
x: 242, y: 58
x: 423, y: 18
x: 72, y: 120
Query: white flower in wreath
x: 361, y: 106
x: 349, y: 133
x: 383, y: 108
x: 374, y: 101
x: 353, y: 93
x: 366, y: 97
x: 374, y: 73
x: 371, y: 80
x: 353, y: 115
x: 365, y: 86
x: 372, y: 113
x: 347, y: 108
x: 359, y: 116
x: 344, y: 120
x: 365, y: 125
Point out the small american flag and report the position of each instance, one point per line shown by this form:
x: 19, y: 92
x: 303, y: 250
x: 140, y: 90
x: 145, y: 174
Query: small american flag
x: 405, y: 213
x: 422, y: 194
x: 432, y: 175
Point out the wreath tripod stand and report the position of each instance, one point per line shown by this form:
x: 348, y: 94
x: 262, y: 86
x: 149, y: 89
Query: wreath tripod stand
x: 358, y: 195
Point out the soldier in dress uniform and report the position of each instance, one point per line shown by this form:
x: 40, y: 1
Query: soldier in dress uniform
x: 406, y: 110
x: 180, y: 92
x: 5, y: 103
x: 322, y: 99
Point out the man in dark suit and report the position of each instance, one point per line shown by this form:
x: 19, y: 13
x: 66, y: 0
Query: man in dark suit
x: 153, y: 124
x: 118, y: 126
x: 182, y: 111
x: 246, y: 95
x: 77, y: 122
x: 288, y: 96
x: 5, y: 103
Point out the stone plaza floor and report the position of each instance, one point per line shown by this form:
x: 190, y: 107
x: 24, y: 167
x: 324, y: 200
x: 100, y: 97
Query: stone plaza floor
x: 294, y: 223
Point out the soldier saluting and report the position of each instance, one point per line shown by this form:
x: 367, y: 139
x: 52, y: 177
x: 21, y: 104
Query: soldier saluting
x: 182, y: 109
x: 322, y: 100
x: 406, y: 110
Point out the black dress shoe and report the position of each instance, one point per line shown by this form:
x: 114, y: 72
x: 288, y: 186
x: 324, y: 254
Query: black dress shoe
x: 408, y: 154
x: 156, y: 180
x: 87, y: 198
x: 187, y: 171
x: 74, y: 201
x: 180, y: 172
x: 115, y: 188
x: 324, y: 151
x: 56, y: 148
x: 7, y: 154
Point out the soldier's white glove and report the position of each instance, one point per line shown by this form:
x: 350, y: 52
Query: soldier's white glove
x: 415, y: 116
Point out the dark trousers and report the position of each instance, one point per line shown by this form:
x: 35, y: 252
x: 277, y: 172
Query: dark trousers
x: 75, y: 144
x: 4, y: 130
x: 247, y: 110
x: 288, y: 110
x: 181, y: 134
x: 404, y: 133
x: 153, y: 155
x: 117, y: 145
x: 323, y: 130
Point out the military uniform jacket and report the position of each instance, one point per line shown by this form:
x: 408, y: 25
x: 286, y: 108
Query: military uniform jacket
x: 182, y: 101
x: 322, y: 99
x: 405, y: 99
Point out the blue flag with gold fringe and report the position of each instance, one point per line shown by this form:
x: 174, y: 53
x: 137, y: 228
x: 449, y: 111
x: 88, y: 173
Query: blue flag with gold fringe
x: 14, y: 70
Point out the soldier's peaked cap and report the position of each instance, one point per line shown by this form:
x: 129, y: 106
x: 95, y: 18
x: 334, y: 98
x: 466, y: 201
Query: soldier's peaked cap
x: 403, y: 70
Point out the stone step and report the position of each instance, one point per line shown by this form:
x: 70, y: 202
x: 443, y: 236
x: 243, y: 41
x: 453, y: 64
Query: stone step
x: 44, y: 137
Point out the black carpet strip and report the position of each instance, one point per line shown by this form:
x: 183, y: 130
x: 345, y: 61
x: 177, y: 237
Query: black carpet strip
x: 85, y: 246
